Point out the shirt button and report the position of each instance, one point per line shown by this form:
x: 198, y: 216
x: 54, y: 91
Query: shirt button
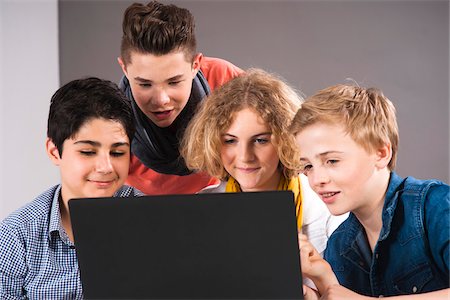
x: 376, y: 256
x: 414, y: 289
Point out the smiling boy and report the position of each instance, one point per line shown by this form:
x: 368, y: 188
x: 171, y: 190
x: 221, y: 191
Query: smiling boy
x: 164, y: 79
x: 90, y: 128
x: 396, y: 240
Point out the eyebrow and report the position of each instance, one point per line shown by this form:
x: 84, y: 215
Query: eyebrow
x: 262, y: 133
x: 143, y: 80
x: 321, y: 155
x: 97, y: 144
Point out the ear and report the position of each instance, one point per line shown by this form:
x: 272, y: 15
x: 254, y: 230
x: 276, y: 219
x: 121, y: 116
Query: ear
x: 383, y: 156
x: 52, y: 152
x: 122, y: 65
x: 196, y: 63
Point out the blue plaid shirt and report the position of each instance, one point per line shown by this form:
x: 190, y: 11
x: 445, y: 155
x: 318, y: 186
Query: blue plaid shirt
x: 37, y: 259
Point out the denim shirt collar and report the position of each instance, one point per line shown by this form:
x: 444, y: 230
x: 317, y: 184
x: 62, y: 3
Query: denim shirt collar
x: 355, y: 236
x: 55, y: 226
x: 390, y: 204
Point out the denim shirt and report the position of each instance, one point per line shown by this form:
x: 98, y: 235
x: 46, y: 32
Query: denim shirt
x: 412, y: 251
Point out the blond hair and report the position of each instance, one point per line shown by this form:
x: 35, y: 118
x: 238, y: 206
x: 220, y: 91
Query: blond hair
x: 368, y: 116
x: 266, y: 94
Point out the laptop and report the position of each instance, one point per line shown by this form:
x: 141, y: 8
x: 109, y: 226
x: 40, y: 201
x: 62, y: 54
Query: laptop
x: 202, y: 246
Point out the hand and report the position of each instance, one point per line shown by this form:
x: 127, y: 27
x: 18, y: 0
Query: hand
x: 310, y: 294
x: 313, y: 265
x: 336, y: 292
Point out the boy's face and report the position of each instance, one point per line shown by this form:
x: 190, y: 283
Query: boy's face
x: 161, y: 85
x: 248, y: 154
x: 95, y: 162
x: 344, y: 175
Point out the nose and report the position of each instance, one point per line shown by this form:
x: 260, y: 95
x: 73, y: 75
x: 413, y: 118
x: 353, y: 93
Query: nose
x: 246, y: 153
x: 160, y: 97
x: 318, y: 176
x: 103, y: 164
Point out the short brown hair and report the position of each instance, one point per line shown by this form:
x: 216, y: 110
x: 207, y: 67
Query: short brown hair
x: 158, y: 29
x: 368, y: 116
x: 268, y: 95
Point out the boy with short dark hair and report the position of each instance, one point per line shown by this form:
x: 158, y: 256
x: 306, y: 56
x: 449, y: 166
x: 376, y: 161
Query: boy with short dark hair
x: 90, y: 129
x: 164, y: 79
x: 396, y: 240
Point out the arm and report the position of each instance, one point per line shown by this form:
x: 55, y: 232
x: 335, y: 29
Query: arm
x: 336, y: 292
x: 437, y: 225
x: 12, y: 264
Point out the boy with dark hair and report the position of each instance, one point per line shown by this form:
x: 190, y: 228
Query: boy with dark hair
x: 396, y: 240
x: 90, y: 129
x: 164, y: 79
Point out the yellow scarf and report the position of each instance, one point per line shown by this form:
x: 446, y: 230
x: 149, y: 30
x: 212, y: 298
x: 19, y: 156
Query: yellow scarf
x: 284, y: 185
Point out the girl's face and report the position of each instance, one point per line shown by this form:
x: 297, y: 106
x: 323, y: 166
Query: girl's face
x: 248, y: 154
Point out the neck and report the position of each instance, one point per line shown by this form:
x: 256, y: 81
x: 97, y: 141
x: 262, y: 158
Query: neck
x: 370, y: 213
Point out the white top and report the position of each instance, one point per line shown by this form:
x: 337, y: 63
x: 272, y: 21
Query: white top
x: 318, y: 224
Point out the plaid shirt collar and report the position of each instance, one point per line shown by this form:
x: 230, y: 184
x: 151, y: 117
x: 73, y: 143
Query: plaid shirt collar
x: 55, y: 227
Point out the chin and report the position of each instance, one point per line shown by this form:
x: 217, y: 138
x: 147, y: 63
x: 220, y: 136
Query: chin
x: 251, y: 188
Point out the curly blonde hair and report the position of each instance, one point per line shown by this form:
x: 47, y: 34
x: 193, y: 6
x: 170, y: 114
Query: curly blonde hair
x: 266, y: 94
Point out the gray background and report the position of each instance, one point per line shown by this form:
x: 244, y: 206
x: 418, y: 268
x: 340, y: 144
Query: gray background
x: 401, y: 47
x: 29, y: 75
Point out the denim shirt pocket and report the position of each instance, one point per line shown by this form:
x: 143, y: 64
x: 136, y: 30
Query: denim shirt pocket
x: 413, y: 280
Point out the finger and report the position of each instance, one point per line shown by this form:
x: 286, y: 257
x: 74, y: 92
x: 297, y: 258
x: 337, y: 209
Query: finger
x: 302, y: 237
x: 306, y: 253
x: 309, y: 293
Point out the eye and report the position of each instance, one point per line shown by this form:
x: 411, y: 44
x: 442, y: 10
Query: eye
x: 261, y: 141
x: 117, y: 153
x: 145, y: 85
x: 229, y: 141
x: 174, y: 82
x: 332, y: 161
x: 87, y: 152
x: 305, y: 169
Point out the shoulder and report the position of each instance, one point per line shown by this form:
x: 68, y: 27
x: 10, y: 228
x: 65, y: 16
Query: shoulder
x: 428, y: 194
x: 34, y: 211
x: 216, y: 188
x: 436, y: 194
x: 217, y: 71
x: 29, y: 221
x: 424, y: 186
x: 128, y: 191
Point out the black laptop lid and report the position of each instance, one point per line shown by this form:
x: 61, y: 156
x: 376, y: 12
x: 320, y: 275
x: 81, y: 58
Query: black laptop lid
x: 203, y: 246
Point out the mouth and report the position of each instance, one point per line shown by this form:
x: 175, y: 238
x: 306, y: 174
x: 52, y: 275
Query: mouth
x: 102, y: 183
x: 328, y: 197
x: 247, y: 170
x: 162, y: 115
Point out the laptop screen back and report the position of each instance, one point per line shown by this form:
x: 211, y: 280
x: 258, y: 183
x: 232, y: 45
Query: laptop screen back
x: 203, y: 246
